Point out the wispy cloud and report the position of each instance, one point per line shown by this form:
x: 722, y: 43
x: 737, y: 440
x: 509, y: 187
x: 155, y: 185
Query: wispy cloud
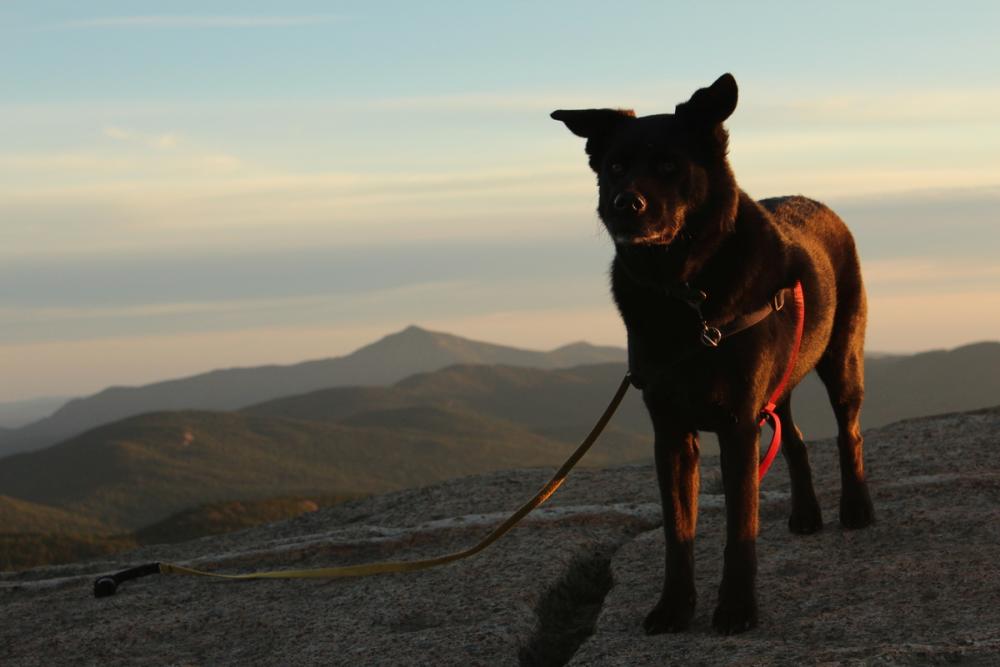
x: 901, y: 105
x: 761, y: 108
x: 895, y: 106
x: 190, y: 21
x: 48, y: 163
x: 115, y: 132
x: 183, y: 199
x: 164, y: 141
x: 51, y: 315
x: 842, y: 182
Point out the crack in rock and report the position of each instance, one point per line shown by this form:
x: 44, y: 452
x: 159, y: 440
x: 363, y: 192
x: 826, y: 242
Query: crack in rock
x: 567, y: 612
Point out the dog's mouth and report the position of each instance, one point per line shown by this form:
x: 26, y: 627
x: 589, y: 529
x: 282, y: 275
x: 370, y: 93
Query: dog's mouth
x: 660, y: 229
x: 662, y: 234
x: 660, y: 237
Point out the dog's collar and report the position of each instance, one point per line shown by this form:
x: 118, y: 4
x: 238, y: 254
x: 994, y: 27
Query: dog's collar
x: 692, y: 296
x: 711, y: 335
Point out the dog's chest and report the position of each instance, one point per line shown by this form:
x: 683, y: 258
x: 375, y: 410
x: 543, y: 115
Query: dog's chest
x: 698, y: 400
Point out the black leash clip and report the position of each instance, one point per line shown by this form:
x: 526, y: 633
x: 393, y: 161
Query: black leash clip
x: 107, y: 585
x: 710, y: 336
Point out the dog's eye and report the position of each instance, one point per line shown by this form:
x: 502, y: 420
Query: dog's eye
x: 666, y: 166
x: 617, y: 168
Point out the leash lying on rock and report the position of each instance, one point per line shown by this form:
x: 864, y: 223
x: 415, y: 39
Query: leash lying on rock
x: 107, y: 585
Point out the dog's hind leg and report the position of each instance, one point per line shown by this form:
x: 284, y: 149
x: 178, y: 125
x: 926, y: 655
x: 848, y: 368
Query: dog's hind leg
x: 842, y: 371
x: 679, y: 479
x: 806, y: 517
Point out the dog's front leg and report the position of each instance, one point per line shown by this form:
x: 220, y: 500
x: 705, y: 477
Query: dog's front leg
x: 678, y: 475
x: 737, y: 608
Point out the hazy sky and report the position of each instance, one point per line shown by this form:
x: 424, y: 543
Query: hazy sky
x: 234, y: 183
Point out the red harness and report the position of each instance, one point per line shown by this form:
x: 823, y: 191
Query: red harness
x: 768, y: 413
x: 711, y: 336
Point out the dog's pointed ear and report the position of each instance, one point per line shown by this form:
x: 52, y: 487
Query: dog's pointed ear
x: 590, y: 123
x: 595, y: 125
x: 711, y: 106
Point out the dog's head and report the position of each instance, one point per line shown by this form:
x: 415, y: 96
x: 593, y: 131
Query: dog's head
x: 664, y: 178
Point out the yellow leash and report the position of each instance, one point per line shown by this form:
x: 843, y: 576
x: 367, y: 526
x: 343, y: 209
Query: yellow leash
x: 107, y: 585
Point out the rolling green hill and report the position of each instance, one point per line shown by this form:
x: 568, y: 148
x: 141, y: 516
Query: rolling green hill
x: 22, y: 516
x: 560, y: 404
x: 139, y: 470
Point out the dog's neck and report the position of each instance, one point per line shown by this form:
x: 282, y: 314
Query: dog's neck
x: 725, y: 266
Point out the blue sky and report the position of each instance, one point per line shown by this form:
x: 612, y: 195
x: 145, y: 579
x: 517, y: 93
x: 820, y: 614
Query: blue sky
x: 200, y: 185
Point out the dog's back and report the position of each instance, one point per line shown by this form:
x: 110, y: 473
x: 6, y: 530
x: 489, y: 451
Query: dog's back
x: 816, y: 228
x: 825, y: 238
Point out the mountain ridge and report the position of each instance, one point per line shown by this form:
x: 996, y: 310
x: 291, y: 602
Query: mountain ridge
x: 398, y: 355
x: 426, y: 427
x: 384, y: 361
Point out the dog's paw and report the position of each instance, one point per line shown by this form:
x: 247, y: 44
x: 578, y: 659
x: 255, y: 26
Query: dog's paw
x: 806, y: 519
x: 856, y: 510
x: 731, y: 619
x: 669, y: 615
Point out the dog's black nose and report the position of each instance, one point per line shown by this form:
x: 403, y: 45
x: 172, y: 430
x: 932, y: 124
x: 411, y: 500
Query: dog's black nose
x: 630, y: 200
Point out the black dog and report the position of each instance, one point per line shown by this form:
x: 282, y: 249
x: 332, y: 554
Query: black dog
x: 694, y: 252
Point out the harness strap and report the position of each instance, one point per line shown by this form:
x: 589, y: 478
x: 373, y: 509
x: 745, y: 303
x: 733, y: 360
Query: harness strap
x: 768, y: 412
x: 746, y: 321
x: 712, y: 335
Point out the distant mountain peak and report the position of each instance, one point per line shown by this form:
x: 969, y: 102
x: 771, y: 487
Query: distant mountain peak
x: 412, y: 339
x: 410, y: 334
x: 415, y: 329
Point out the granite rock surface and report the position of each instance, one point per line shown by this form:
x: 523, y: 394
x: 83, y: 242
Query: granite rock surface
x: 572, y: 583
